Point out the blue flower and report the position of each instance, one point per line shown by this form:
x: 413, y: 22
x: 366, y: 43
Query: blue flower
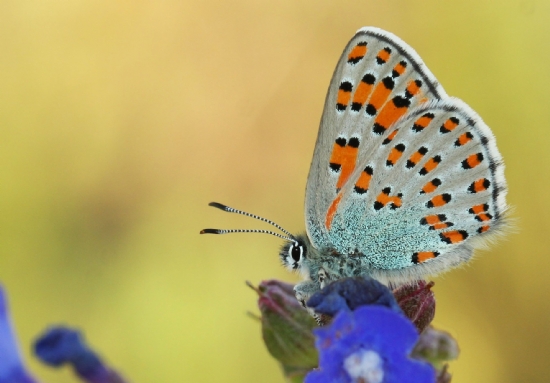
x: 60, y: 345
x: 12, y: 369
x: 369, y: 345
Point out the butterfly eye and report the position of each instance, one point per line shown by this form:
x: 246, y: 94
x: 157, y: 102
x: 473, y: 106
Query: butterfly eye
x: 293, y: 253
x: 296, y: 252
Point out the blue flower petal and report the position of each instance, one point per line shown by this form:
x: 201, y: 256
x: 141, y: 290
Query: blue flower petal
x: 12, y: 369
x: 351, y: 293
x: 60, y: 345
x: 371, y: 342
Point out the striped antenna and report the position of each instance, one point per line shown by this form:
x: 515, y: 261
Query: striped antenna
x: 228, y: 209
x: 228, y: 231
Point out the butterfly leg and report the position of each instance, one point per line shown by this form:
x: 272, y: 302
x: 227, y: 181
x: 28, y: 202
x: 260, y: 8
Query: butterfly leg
x: 306, y: 289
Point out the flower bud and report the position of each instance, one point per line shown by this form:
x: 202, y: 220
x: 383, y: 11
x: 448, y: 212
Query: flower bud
x: 436, y: 346
x: 286, y: 328
x: 417, y: 302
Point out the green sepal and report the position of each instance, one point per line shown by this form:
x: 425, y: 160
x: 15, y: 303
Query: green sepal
x: 287, y: 329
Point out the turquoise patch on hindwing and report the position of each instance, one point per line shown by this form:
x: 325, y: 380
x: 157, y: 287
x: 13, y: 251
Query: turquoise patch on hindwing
x: 388, y: 238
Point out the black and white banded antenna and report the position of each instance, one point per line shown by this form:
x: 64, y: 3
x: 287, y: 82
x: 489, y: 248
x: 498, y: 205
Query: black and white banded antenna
x: 288, y: 237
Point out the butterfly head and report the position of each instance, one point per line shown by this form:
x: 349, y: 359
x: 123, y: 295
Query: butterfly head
x: 294, y: 253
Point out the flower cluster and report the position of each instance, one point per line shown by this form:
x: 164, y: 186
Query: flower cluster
x: 370, y: 334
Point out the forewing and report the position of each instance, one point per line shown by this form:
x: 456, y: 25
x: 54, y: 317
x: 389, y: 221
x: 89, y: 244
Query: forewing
x: 378, y: 80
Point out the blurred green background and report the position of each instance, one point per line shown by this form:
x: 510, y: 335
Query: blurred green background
x: 121, y: 120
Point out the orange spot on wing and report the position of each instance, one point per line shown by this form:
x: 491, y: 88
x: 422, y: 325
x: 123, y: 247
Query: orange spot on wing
x: 464, y: 138
x: 390, y: 114
x: 431, y: 165
x: 454, y: 236
x: 483, y: 229
x: 380, y: 95
x: 473, y: 160
x: 396, y: 201
x: 384, y: 55
x: 439, y: 200
x: 394, y: 155
x: 432, y: 219
x: 348, y: 157
x: 332, y: 210
x: 424, y: 121
x: 421, y: 123
x: 413, y: 88
x: 479, y: 185
x: 441, y: 225
x: 423, y: 256
x: 390, y: 137
x: 385, y: 199
x: 362, y: 93
x: 399, y: 68
x: 479, y: 208
x: 450, y: 124
x: 343, y: 159
x: 343, y: 97
x: 357, y: 53
x: 337, y: 156
x: 430, y: 186
x: 364, y: 181
x: 484, y: 217
x: 416, y: 157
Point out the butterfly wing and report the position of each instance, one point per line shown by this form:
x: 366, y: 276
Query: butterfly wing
x: 405, y: 176
x: 378, y: 79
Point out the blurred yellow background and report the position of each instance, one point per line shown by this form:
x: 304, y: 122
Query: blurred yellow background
x: 121, y: 120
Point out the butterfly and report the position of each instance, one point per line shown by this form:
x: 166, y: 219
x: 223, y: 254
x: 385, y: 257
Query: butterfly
x: 405, y: 180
